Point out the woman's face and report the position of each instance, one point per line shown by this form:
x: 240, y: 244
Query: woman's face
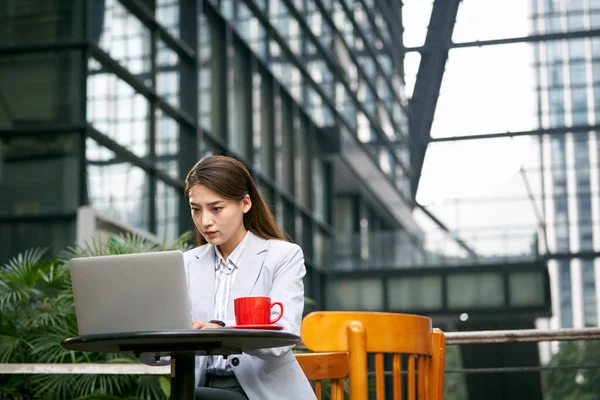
x: 218, y: 219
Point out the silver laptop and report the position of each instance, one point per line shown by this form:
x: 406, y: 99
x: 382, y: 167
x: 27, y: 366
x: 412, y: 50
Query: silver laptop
x: 131, y: 293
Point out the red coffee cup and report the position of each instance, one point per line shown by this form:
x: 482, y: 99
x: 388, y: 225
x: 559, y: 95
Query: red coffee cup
x: 255, y: 310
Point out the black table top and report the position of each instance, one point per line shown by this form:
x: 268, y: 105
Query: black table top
x: 221, y: 341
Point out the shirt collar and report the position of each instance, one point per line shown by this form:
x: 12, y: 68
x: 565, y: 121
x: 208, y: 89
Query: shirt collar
x: 235, y: 256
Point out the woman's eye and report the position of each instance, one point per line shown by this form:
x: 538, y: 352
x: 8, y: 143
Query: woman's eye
x: 195, y: 210
x: 217, y: 209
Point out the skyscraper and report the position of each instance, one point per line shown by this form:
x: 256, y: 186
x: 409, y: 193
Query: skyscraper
x: 568, y: 85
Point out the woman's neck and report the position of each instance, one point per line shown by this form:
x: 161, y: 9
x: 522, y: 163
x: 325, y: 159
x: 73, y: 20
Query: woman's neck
x: 228, y: 247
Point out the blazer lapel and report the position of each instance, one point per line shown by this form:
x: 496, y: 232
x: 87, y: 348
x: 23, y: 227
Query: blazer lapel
x: 202, y: 285
x: 250, y: 266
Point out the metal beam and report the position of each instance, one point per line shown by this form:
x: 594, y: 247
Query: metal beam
x: 536, y: 132
x: 429, y: 80
x: 520, y: 39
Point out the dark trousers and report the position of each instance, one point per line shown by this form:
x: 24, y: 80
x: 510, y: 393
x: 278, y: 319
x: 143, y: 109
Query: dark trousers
x: 220, y: 388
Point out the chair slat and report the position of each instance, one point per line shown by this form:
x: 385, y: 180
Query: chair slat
x: 318, y: 389
x: 379, y: 377
x: 421, y: 377
x: 337, y: 389
x: 426, y: 373
x: 411, y: 377
x: 397, y: 376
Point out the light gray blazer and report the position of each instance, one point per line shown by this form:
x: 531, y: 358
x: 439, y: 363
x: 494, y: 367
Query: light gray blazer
x: 271, y: 268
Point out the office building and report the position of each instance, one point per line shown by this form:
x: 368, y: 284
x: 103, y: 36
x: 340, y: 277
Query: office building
x: 108, y: 104
x: 568, y: 77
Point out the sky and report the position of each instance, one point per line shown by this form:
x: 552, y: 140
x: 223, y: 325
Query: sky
x: 477, y: 186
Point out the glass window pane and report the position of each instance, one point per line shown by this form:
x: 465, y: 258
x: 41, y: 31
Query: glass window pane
x: 40, y: 88
x: 117, y: 110
x: 322, y: 249
x: 475, y: 290
x: 116, y: 187
x: 167, y: 73
x: 211, y: 76
x: 167, y: 15
x: 124, y: 38
x: 526, y: 289
x: 240, y: 99
x: 39, y: 175
x: 167, y: 211
x: 167, y: 143
x: 16, y: 237
x: 302, y: 164
x: 415, y: 293
x: 359, y: 295
x: 284, y: 142
x: 48, y: 21
x: 262, y: 122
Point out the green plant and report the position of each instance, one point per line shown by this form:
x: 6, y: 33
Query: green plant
x: 571, y: 383
x: 36, y: 300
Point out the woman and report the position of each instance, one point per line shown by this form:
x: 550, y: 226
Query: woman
x: 242, y: 252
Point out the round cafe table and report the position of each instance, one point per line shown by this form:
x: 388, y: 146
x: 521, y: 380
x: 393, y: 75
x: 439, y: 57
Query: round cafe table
x: 182, y: 346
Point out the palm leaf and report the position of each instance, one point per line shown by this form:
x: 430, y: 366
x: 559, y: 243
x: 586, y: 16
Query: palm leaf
x: 149, y: 388
x: 9, y: 346
x: 19, y: 278
x: 183, y: 242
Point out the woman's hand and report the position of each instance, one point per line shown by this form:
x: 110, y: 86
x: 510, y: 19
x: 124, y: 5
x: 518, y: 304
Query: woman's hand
x: 197, y: 324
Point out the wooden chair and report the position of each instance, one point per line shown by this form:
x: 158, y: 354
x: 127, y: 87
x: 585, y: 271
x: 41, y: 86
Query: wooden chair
x: 360, y: 333
x: 320, y: 367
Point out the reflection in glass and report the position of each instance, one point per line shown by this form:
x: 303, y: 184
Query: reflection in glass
x: 240, y: 92
x: 475, y: 290
x: 302, y: 163
x: 167, y: 143
x: 205, y: 60
x: 116, y: 187
x: 167, y: 73
x: 126, y: 39
x: 167, y: 211
x: 355, y: 294
x: 40, y: 88
x: 284, y: 145
x: 39, y: 175
x: 17, y: 237
x: 415, y: 293
x: 40, y: 22
x: 262, y: 124
x: 211, y: 76
x: 251, y: 30
x: 526, y: 289
x: 115, y: 109
x: 167, y: 15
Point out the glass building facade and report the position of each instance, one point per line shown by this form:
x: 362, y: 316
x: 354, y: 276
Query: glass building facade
x: 108, y: 103
x: 568, y: 84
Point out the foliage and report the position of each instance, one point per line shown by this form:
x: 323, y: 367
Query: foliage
x: 38, y: 313
x: 571, y: 384
x: 455, y: 386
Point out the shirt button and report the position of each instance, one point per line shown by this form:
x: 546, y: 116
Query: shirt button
x: 235, y: 361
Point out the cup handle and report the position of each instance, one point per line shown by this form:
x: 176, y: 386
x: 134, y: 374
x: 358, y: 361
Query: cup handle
x: 280, y: 304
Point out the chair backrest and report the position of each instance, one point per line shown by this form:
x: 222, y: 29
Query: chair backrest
x: 319, y: 367
x: 360, y: 333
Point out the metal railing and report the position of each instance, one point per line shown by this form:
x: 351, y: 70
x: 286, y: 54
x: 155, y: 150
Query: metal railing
x: 452, y: 338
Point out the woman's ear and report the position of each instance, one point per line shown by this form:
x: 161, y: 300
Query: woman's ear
x: 246, y: 204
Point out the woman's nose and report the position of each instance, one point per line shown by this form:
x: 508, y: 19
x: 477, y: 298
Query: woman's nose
x: 207, y: 219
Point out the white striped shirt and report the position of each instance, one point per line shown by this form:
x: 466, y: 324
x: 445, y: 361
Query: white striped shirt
x: 225, y: 274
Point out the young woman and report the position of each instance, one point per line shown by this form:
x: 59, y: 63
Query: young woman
x: 241, y: 252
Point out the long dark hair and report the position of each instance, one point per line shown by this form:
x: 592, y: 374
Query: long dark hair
x: 231, y: 179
